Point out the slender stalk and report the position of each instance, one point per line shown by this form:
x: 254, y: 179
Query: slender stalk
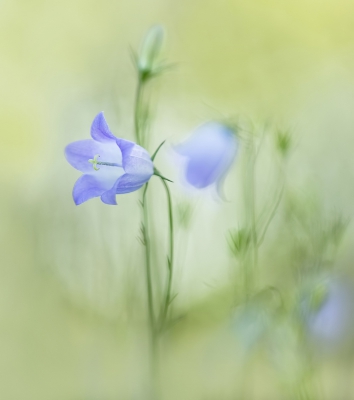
x: 139, y: 122
x: 273, y: 205
x: 148, y: 264
x: 250, y: 261
x: 137, y: 126
x: 137, y: 112
x: 272, y: 214
x: 141, y: 119
x: 253, y: 211
x: 150, y: 300
x: 138, y: 131
x: 170, y: 258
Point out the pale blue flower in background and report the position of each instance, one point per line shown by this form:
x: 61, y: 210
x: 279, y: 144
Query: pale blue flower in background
x: 332, y: 320
x: 110, y: 165
x: 209, y: 153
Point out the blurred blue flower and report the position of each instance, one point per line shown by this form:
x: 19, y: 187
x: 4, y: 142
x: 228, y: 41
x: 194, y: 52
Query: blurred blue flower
x: 331, y: 319
x: 110, y: 165
x: 209, y: 151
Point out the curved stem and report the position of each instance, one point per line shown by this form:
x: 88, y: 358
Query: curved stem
x: 271, y: 215
x: 148, y: 268
x: 157, y: 150
x: 170, y: 258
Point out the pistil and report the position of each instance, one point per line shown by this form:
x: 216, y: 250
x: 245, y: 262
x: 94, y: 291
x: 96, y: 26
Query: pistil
x: 94, y: 163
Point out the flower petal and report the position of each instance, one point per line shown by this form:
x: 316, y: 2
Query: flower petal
x: 136, y: 160
x: 93, y: 185
x: 127, y: 183
x: 100, y: 130
x: 109, y: 197
x: 79, y: 153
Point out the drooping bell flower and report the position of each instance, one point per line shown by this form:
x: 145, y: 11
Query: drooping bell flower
x: 110, y: 165
x: 209, y: 153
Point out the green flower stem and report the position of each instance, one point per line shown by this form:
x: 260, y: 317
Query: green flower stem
x: 264, y: 220
x: 156, y: 323
x: 170, y: 258
x: 148, y: 266
x: 139, y: 128
x: 250, y: 261
x: 272, y: 213
x: 150, y: 300
x: 137, y: 113
x: 252, y: 198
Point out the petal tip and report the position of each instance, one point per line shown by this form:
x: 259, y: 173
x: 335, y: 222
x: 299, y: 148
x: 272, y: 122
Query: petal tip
x: 100, y: 130
x: 109, y: 197
x: 77, y: 200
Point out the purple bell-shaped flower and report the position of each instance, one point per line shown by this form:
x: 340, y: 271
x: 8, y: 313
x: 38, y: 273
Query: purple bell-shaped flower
x: 110, y: 165
x: 209, y: 153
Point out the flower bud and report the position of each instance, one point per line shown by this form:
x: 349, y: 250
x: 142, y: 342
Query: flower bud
x: 150, y: 50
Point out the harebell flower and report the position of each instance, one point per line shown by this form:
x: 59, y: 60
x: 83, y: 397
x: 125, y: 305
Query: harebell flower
x: 110, y: 165
x: 209, y: 152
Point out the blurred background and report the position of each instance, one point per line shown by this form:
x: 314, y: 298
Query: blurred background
x: 72, y: 305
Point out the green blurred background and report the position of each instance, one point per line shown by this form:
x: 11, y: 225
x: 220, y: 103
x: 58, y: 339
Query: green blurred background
x: 70, y: 277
